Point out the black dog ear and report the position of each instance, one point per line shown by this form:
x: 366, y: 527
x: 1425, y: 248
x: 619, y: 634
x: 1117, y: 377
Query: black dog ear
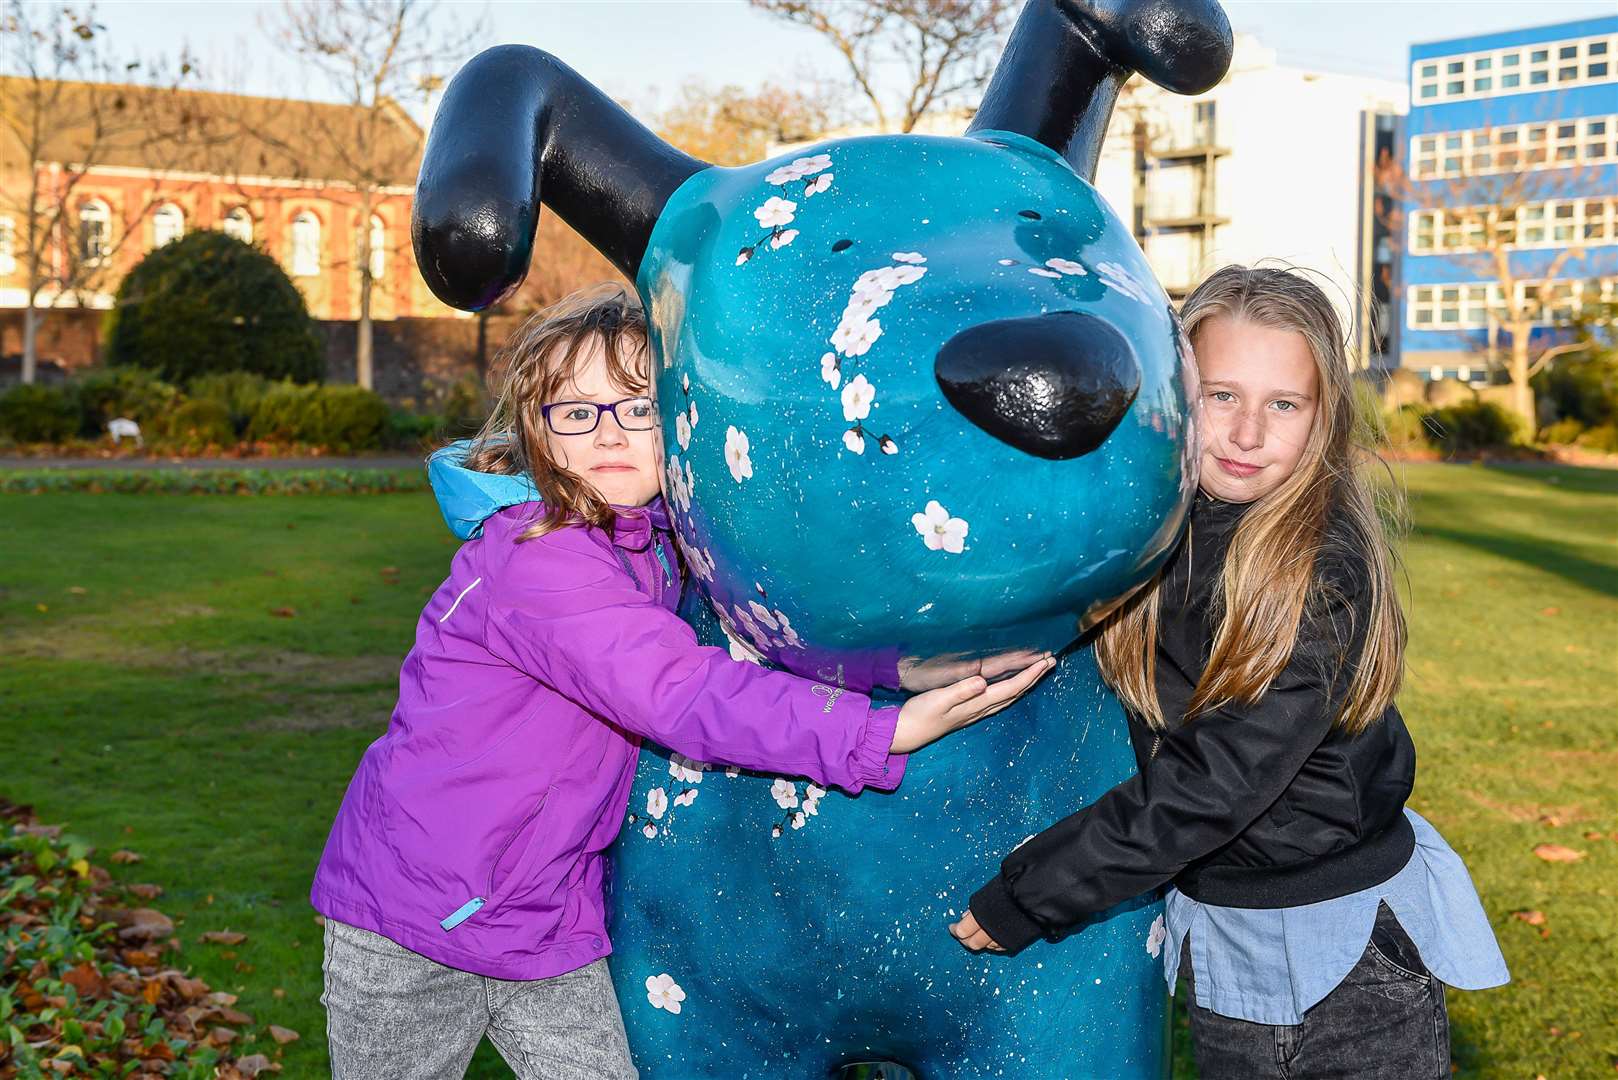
x: 1065, y: 61
x: 517, y: 126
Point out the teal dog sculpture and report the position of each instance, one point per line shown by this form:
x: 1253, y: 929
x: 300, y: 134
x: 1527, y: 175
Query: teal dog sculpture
x: 921, y: 397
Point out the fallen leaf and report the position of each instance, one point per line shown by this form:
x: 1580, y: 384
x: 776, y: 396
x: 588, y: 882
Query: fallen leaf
x: 284, y: 612
x: 85, y: 979
x: 125, y: 857
x: 42, y: 607
x: 1557, y: 853
x: 235, y: 1016
x: 146, y: 892
x: 252, y: 1064
x: 1550, y: 819
x: 278, y: 993
x: 219, y: 997
x: 153, y: 992
x: 1594, y: 836
x: 1551, y: 611
x: 222, y: 1035
x: 145, y: 924
x: 1532, y: 918
x: 283, y: 1035
x: 77, y: 590
x: 224, y: 937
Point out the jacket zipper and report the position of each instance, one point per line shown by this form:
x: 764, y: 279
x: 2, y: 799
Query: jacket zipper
x: 1157, y: 740
x: 668, y: 572
x: 474, y: 905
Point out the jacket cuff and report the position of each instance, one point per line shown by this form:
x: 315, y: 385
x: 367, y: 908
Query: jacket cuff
x: 1002, y: 919
x: 873, y: 765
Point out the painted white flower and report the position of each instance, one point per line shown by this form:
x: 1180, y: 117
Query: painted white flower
x: 693, y: 412
x: 785, y: 793
x: 1118, y: 277
x: 736, y: 448
x: 690, y: 483
x: 863, y: 305
x: 1042, y: 272
x: 1008, y: 262
x: 775, y: 833
x: 818, y: 184
x: 657, y: 803
x: 664, y: 993
x: 789, y: 634
x: 888, y: 445
x: 762, y: 616
x: 1154, y: 940
x: 686, y: 797
x: 908, y: 275
x: 784, y: 174
x: 1066, y: 266
x: 856, y: 339
x: 682, y: 430
x: 686, y: 770
x: 799, y: 168
x: 830, y: 370
x: 776, y: 211
x: 854, y: 440
x: 811, y: 806
x: 649, y: 831
x: 814, y: 791
x: 732, y: 772
x: 685, y: 383
x: 679, y: 490
x: 939, y: 530
x: 743, y: 255
x: 782, y: 239
x: 739, y: 650
x: 798, y: 820
x: 909, y: 257
x: 858, y: 397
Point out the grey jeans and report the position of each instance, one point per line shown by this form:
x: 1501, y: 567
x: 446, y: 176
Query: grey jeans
x: 1385, y: 1021
x: 392, y: 1014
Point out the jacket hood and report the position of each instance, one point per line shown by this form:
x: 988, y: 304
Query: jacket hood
x: 466, y: 497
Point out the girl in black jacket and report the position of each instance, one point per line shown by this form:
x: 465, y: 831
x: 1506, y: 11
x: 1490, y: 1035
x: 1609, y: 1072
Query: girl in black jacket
x: 1307, y: 907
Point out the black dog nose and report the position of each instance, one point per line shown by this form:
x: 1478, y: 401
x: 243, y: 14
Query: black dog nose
x: 1051, y: 385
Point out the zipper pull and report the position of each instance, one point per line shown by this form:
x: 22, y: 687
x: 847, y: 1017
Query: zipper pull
x: 461, y: 914
x: 668, y: 572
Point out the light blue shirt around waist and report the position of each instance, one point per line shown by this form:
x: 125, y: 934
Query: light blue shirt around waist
x: 1269, y: 965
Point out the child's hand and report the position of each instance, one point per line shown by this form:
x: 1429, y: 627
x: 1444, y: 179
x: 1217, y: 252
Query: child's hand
x: 937, y: 713
x: 916, y: 674
x: 973, y: 936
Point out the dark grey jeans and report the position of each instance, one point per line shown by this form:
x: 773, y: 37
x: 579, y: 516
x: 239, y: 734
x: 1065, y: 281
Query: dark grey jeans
x: 1385, y: 1021
x: 392, y: 1014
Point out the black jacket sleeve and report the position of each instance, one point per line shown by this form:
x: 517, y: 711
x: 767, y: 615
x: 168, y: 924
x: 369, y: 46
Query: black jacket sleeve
x: 1209, y: 779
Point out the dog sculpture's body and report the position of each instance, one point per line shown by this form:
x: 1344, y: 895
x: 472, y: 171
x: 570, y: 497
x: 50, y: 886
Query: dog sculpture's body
x: 921, y: 396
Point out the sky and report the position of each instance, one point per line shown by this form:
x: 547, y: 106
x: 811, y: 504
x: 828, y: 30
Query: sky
x: 641, y: 51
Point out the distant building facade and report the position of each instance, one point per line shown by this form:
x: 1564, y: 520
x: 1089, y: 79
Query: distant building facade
x: 1532, y: 116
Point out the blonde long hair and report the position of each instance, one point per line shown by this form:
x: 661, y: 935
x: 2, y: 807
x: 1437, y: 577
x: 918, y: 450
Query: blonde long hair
x: 1270, y: 566
x: 540, y: 359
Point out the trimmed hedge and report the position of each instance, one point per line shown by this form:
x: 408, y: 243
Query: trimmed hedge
x: 212, y: 481
x: 109, y: 393
x: 30, y: 412
x: 1474, y: 425
x: 209, y: 303
x: 338, y: 417
x: 197, y: 425
x: 238, y: 391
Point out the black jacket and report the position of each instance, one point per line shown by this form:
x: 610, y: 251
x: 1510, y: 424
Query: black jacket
x: 1263, y: 806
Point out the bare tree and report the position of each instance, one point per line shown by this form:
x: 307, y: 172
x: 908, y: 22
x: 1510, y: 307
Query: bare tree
x: 940, y: 48
x: 68, y: 110
x: 377, y: 55
x: 1477, y: 207
x: 733, y: 126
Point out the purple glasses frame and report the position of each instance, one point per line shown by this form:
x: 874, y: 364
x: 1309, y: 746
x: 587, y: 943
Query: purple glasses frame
x: 601, y: 407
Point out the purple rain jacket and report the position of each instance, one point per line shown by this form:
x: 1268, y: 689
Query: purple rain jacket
x: 475, y: 830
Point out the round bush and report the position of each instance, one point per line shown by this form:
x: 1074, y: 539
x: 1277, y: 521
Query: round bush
x: 34, y: 413
x: 1603, y: 437
x: 1473, y: 425
x: 199, y: 424
x: 1564, y: 432
x: 1405, y: 428
x: 350, y: 418
x: 109, y: 393
x: 210, y: 303
x: 284, y: 414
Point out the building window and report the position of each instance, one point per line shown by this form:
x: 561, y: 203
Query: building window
x: 306, y: 245
x: 1508, y: 149
x: 1474, y: 305
x: 379, y: 248
x: 8, y: 245
x: 1494, y: 72
x: 168, y: 225
x: 239, y: 224
x: 95, y: 232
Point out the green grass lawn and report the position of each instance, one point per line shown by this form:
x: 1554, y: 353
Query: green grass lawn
x: 193, y: 678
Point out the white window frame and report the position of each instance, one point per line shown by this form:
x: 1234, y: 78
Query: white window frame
x: 305, y: 244
x: 95, y: 211
x: 1484, y: 74
x: 1536, y: 146
x: 238, y: 224
x: 168, y: 225
x: 1554, y: 223
x: 1471, y: 305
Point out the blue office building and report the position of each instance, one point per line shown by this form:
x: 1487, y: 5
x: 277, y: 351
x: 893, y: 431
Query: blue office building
x: 1526, y: 121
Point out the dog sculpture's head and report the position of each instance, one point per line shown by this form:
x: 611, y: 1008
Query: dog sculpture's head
x: 917, y: 392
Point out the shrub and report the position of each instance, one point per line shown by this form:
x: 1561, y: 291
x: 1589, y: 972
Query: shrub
x: 1603, y: 437
x: 199, y: 424
x: 349, y: 418
x: 1582, y: 388
x: 1473, y: 425
x: 412, y: 431
x: 1405, y: 428
x: 209, y: 303
x: 336, y: 417
x: 238, y: 391
x: 1564, y: 432
x: 108, y: 393
x: 33, y: 413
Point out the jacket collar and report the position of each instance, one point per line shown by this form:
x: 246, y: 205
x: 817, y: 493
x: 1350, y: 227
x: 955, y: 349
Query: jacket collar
x: 633, y: 529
